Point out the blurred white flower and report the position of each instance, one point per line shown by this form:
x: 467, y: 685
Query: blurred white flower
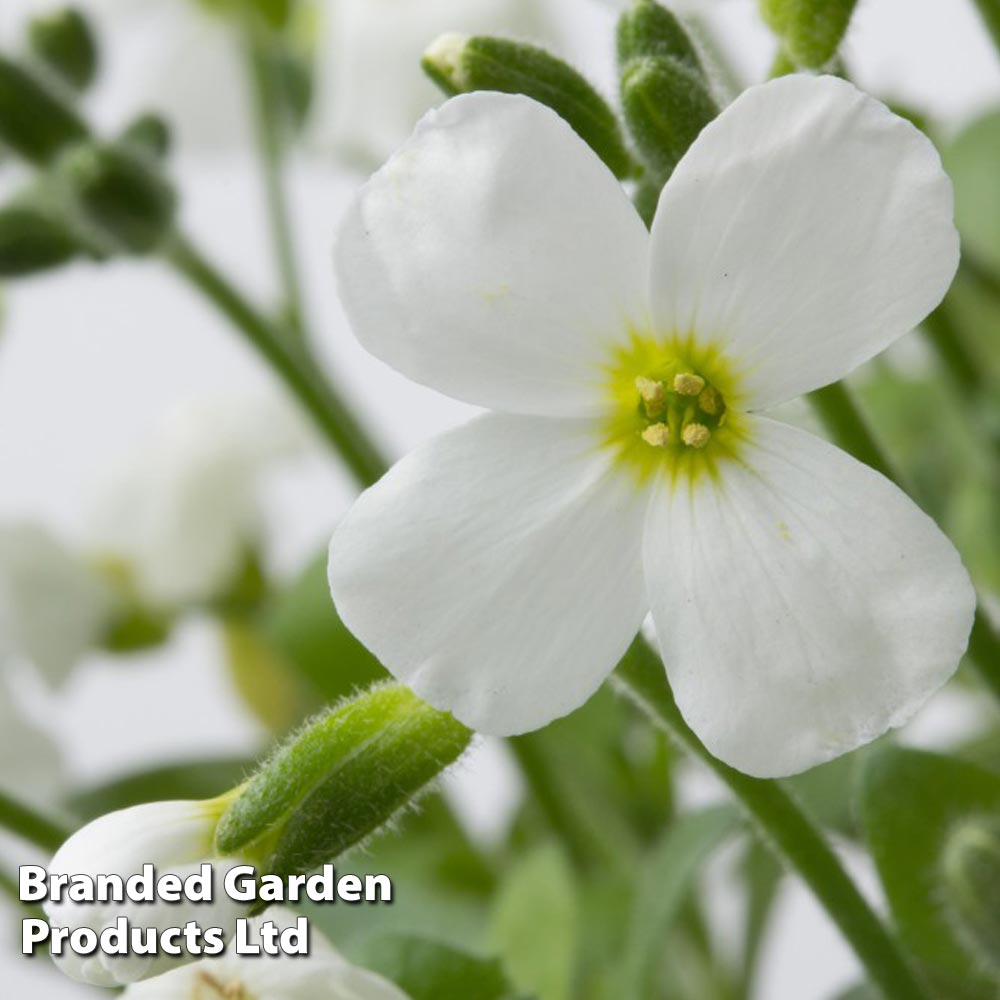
x: 30, y: 762
x: 322, y: 975
x: 53, y: 606
x: 803, y: 604
x: 176, y: 838
x: 184, y: 511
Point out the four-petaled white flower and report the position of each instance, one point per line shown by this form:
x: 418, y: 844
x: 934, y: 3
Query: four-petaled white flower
x: 174, y: 837
x: 322, y: 975
x: 803, y: 604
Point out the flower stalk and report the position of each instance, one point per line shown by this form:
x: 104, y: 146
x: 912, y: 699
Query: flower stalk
x: 784, y: 827
x: 25, y: 822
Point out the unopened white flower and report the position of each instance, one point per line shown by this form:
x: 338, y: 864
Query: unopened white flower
x: 30, y: 761
x: 803, y: 604
x: 322, y: 975
x: 174, y: 837
x: 374, y: 89
x: 53, y: 605
x: 184, y: 511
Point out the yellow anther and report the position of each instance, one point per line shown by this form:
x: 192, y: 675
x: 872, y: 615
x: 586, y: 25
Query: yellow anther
x: 652, y: 395
x: 688, y: 384
x: 658, y: 435
x: 233, y: 991
x: 696, y: 435
x: 709, y: 401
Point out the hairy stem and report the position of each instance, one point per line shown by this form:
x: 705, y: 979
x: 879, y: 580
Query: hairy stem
x: 784, y: 827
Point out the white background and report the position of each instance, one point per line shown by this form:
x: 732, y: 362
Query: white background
x: 91, y: 358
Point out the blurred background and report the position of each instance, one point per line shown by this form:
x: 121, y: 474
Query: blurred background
x: 125, y: 400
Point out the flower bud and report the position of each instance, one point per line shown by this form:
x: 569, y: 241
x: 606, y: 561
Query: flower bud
x: 970, y: 870
x: 666, y: 105
x: 35, y: 122
x: 148, y: 134
x: 647, y: 29
x: 460, y: 65
x: 63, y: 40
x: 176, y: 838
x: 122, y: 194
x: 810, y: 30
x: 341, y: 779
x: 32, y: 240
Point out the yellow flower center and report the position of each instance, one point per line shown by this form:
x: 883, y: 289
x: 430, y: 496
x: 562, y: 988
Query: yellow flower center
x: 210, y: 988
x: 672, y: 405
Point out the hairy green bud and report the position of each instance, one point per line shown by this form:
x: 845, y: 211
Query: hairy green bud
x: 35, y: 121
x: 122, y: 194
x: 666, y: 104
x: 148, y: 134
x: 63, y: 40
x: 340, y: 779
x: 459, y: 65
x: 647, y: 29
x: 810, y: 30
x: 970, y: 872
x: 33, y: 240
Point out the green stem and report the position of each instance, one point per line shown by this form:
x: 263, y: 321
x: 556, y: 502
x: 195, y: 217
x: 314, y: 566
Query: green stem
x: 849, y: 429
x: 320, y: 400
x: 785, y: 828
x: 24, y: 822
x: 944, y: 336
x: 271, y: 149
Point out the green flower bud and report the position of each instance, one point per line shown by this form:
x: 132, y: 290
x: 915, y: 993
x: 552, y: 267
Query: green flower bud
x: 148, y: 134
x: 810, y: 30
x: 35, y: 122
x: 340, y: 779
x: 459, y: 64
x: 970, y: 871
x: 64, y: 41
x: 647, y: 29
x: 33, y: 240
x: 122, y: 194
x: 666, y: 104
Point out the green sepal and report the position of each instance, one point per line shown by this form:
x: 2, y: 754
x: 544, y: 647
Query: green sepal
x: 35, y: 121
x: 970, y: 884
x: 461, y: 65
x: 810, y: 30
x: 121, y: 193
x: 666, y: 104
x: 647, y: 29
x: 33, y: 240
x: 148, y: 134
x: 64, y: 41
x: 340, y: 779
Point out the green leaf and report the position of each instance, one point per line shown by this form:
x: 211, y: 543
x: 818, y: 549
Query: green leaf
x: 535, y: 923
x: 910, y: 802
x: 666, y: 879
x: 461, y: 65
x: 427, y: 970
x: 304, y: 628
x: 201, y: 779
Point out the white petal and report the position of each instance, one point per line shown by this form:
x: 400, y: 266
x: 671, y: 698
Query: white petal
x: 53, y: 607
x: 495, y: 258
x: 496, y: 570
x: 804, y: 605
x: 806, y: 229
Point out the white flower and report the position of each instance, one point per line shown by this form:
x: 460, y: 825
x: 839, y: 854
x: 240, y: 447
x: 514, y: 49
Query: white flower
x: 30, y: 762
x: 323, y: 975
x: 53, y: 606
x: 803, y: 604
x: 375, y: 90
x: 175, y: 837
x: 184, y: 511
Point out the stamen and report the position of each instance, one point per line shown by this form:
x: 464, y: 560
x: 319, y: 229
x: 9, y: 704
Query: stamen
x: 709, y: 401
x: 652, y: 395
x: 658, y: 435
x: 695, y: 435
x: 688, y: 384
